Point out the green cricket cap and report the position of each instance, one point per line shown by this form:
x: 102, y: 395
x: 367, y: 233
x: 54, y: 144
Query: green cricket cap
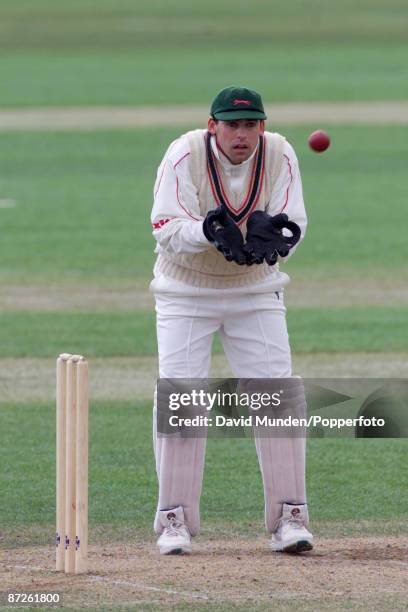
x: 237, y: 103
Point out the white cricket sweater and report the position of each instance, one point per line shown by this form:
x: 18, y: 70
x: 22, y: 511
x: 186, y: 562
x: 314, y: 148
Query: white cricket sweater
x: 184, y: 193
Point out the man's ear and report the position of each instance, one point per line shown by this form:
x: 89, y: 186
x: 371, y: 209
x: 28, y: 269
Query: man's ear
x: 211, y: 125
x: 262, y: 126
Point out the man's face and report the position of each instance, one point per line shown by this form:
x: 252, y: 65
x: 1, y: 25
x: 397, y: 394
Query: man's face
x: 236, y: 139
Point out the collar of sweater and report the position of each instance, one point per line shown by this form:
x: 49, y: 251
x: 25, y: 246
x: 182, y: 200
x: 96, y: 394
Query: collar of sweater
x: 234, y: 169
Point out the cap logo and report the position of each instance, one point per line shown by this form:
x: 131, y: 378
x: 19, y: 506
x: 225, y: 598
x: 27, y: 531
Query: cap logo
x: 171, y: 515
x: 237, y: 101
x: 295, y: 511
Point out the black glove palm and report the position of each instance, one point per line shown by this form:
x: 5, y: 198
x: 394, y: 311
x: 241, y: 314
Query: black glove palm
x: 219, y: 228
x: 265, y: 240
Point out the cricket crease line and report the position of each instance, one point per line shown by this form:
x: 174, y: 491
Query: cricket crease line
x: 93, y: 605
x: 27, y: 567
x: 144, y: 587
x: 396, y: 562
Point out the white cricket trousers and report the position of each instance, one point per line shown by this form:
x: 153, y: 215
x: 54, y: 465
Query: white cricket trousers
x: 252, y: 326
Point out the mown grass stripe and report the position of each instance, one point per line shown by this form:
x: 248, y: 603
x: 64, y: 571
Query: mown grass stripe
x: 123, y: 483
x: 331, y: 330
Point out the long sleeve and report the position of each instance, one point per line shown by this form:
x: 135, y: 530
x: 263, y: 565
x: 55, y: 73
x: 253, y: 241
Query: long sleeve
x: 176, y: 220
x: 287, y: 195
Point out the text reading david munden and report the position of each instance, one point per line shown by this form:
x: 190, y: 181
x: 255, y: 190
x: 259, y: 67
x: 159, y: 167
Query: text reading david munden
x: 251, y: 420
x: 253, y: 402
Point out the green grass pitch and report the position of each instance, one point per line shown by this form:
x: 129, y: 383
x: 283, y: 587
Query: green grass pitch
x: 346, y: 477
x: 83, y: 203
x: 82, y: 217
x: 180, y: 52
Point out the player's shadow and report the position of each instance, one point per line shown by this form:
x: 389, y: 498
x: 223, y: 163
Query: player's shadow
x: 363, y: 551
x: 328, y: 551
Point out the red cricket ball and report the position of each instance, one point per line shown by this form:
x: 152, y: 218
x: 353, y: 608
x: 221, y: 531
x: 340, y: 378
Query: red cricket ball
x: 319, y: 141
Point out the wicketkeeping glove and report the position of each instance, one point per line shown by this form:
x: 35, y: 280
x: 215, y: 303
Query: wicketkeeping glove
x: 265, y: 239
x: 220, y: 229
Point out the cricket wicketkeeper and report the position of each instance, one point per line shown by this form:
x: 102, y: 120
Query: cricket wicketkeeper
x: 228, y: 208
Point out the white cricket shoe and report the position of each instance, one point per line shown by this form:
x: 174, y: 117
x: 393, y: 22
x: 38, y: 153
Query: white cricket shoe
x: 176, y: 538
x: 291, y: 535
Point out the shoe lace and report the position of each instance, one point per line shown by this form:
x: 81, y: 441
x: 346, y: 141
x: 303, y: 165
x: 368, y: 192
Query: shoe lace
x: 296, y: 523
x: 174, y: 527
